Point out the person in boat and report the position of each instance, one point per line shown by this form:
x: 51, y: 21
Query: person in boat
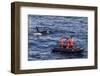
x: 67, y: 42
x: 61, y: 42
x: 70, y: 42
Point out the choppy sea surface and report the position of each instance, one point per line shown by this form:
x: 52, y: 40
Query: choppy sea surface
x: 40, y: 47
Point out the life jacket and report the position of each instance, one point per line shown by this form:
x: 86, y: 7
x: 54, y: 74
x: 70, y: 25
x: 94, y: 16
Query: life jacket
x: 71, y: 42
x: 61, y: 41
x: 67, y: 43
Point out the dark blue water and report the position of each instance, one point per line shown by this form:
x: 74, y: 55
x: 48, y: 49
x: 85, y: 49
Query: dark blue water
x: 39, y: 47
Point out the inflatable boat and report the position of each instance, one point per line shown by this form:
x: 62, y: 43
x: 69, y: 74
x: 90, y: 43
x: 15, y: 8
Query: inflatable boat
x: 68, y: 50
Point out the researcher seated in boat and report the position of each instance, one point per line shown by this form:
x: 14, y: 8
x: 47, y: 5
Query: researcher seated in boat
x: 70, y: 42
x: 61, y: 42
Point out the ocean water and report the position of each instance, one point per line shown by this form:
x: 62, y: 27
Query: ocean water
x: 40, y: 47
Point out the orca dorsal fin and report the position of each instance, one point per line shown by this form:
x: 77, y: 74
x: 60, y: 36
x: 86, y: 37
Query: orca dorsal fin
x: 37, y: 29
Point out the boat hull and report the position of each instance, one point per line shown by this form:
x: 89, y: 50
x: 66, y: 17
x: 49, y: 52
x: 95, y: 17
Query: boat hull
x: 68, y: 50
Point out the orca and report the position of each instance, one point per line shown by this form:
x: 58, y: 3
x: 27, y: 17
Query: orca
x: 39, y: 33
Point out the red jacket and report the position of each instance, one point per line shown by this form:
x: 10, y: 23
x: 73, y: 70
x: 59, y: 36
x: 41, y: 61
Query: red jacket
x: 61, y: 41
x: 70, y: 42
